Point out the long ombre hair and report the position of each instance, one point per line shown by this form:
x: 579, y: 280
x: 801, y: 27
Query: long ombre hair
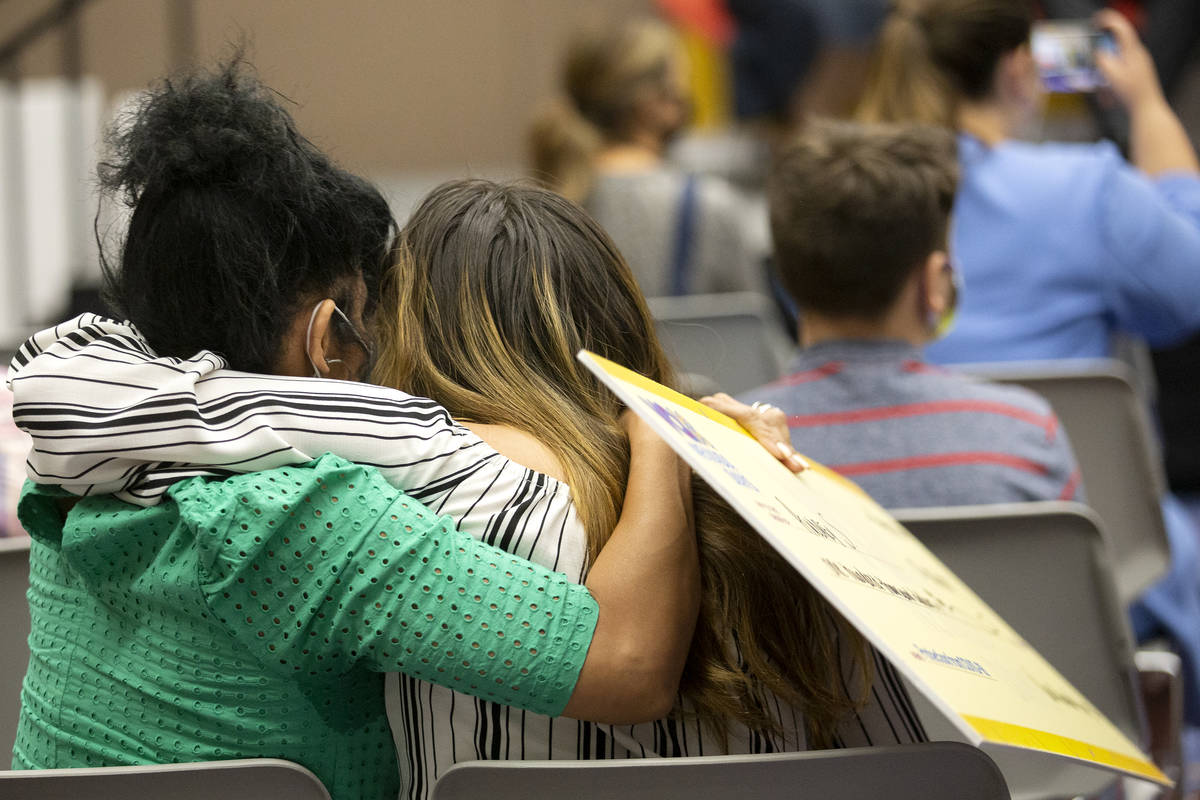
x: 496, y: 288
x: 934, y: 54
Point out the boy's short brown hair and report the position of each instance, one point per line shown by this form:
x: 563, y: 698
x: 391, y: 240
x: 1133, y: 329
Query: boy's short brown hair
x: 856, y: 208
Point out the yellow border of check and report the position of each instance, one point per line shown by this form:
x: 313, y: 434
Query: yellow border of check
x: 642, y: 382
x: 997, y: 732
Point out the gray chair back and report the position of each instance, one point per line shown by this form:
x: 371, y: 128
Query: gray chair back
x: 1110, y: 431
x: 934, y: 771
x: 732, y: 339
x: 14, y: 637
x: 1045, y: 569
x: 244, y: 779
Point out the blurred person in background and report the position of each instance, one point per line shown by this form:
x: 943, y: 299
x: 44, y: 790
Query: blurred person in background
x: 767, y: 47
x: 1102, y: 245
x: 602, y: 145
x: 1060, y: 245
x: 821, y: 72
x: 783, y: 61
x: 860, y: 218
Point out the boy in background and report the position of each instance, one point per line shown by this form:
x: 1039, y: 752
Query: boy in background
x: 860, y: 217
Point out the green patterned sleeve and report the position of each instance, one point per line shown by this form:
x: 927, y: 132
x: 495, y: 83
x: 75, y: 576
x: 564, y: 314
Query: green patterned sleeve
x: 324, y: 568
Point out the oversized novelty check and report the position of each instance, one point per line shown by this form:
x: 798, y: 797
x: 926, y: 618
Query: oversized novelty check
x: 974, y: 668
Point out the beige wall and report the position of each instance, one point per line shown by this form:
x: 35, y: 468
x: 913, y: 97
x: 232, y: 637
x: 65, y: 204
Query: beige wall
x: 388, y: 86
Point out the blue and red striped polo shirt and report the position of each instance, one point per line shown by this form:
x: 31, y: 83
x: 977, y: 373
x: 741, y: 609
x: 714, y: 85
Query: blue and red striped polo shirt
x: 916, y: 435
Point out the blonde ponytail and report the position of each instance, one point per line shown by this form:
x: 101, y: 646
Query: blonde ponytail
x: 562, y: 150
x: 934, y: 54
x: 904, y: 84
x: 606, y: 72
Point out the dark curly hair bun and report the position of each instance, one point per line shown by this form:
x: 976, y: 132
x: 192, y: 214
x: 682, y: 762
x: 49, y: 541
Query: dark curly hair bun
x: 221, y: 127
x: 237, y: 218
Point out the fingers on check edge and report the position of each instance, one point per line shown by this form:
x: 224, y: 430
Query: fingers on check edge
x: 790, y: 458
x: 770, y: 415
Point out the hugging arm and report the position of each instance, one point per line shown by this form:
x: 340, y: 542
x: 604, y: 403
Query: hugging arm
x: 324, y: 568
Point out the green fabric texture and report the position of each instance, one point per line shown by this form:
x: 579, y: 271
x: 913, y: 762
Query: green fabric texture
x: 254, y: 616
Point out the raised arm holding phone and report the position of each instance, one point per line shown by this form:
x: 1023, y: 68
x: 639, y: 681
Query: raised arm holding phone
x: 1158, y: 144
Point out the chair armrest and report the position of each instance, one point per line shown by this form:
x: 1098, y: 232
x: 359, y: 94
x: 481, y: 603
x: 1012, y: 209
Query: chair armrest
x: 1161, y: 683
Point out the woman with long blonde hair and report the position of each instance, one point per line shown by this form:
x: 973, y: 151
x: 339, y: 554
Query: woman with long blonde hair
x: 497, y: 290
x: 602, y: 144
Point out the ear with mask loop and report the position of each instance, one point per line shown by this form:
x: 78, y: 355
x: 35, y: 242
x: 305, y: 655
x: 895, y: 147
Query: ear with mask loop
x: 941, y: 323
x: 308, y: 338
x: 367, y: 349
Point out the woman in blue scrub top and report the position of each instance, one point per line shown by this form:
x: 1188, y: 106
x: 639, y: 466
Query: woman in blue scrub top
x: 1059, y: 245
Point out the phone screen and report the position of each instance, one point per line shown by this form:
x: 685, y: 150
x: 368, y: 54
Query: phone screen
x: 1065, y: 52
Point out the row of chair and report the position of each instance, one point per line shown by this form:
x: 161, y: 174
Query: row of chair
x: 938, y: 771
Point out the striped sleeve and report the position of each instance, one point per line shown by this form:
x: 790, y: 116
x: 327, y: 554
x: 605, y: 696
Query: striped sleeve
x: 108, y: 417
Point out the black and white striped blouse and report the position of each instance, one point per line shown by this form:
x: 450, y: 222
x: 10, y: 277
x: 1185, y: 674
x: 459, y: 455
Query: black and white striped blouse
x: 108, y: 416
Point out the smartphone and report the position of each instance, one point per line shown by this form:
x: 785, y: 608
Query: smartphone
x: 1065, y: 52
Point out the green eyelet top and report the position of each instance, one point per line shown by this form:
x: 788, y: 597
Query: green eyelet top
x: 254, y: 616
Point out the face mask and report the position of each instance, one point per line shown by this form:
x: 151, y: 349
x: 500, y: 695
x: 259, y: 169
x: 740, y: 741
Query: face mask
x: 370, y: 353
x: 941, y: 323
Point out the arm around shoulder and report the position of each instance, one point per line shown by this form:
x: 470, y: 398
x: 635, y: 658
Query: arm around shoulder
x: 326, y: 568
x: 645, y: 581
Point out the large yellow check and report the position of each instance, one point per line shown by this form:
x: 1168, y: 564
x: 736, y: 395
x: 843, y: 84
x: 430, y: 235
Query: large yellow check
x: 974, y: 668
